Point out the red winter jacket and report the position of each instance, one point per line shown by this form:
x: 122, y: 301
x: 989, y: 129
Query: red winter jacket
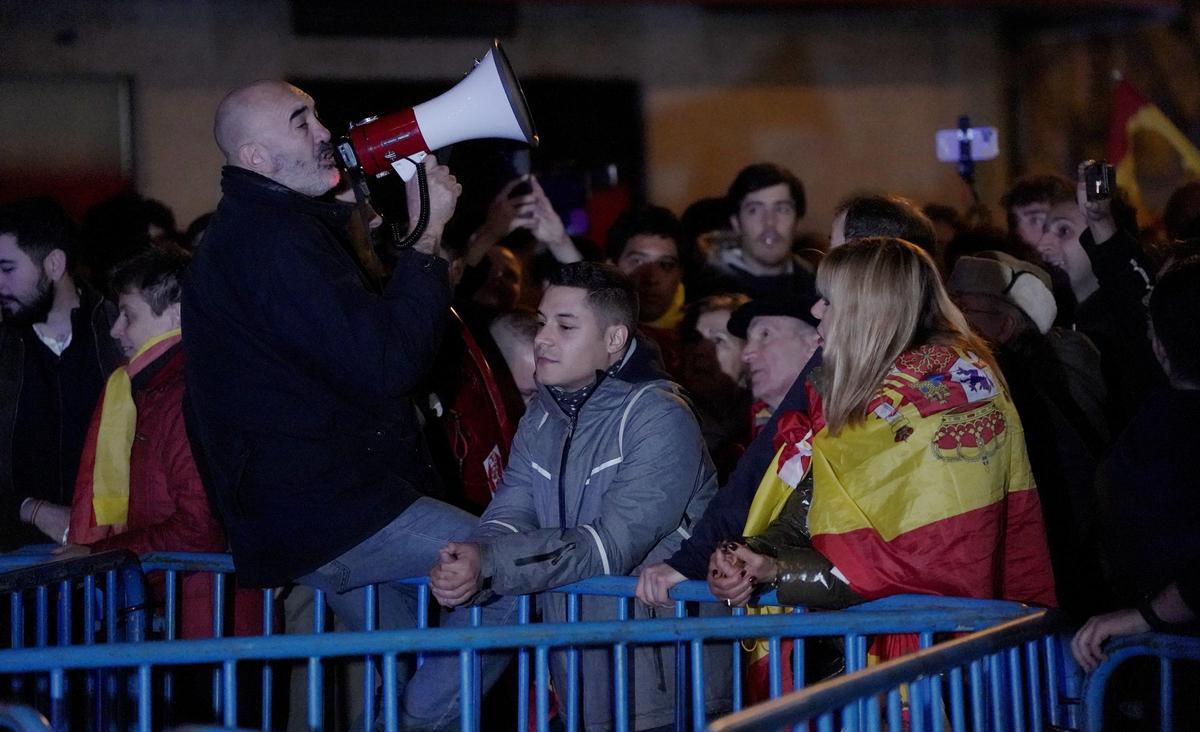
x: 168, y: 507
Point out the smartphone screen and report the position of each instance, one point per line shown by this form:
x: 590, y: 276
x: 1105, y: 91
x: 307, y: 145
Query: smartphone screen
x: 985, y: 144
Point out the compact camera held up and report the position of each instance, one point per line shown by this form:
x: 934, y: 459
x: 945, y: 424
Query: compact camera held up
x: 1099, y: 179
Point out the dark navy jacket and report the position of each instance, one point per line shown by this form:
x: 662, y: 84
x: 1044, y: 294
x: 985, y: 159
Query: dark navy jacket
x: 725, y: 516
x: 299, y: 378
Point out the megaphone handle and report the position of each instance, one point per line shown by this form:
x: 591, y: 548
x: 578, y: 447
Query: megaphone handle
x: 423, y: 218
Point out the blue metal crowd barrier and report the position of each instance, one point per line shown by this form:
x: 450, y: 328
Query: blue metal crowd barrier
x: 1168, y: 649
x: 108, y: 591
x: 621, y: 589
x: 1002, y: 678
x: 143, y: 659
x: 925, y: 615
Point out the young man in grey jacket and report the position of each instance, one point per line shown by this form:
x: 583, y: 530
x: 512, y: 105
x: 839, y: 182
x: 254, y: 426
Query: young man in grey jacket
x: 607, y: 474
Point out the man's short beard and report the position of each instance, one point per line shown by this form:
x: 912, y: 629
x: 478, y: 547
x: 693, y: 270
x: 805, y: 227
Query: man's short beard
x: 35, y: 311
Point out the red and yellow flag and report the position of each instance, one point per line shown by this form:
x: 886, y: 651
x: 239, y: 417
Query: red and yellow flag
x: 1152, y: 157
x: 933, y: 494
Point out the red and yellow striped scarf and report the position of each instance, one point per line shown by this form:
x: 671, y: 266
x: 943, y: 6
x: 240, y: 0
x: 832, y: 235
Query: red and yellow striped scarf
x: 114, y: 442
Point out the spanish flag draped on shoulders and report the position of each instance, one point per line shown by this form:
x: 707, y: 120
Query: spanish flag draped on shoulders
x: 933, y: 493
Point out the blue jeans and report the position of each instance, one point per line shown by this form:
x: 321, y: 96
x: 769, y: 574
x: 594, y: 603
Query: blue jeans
x: 408, y: 547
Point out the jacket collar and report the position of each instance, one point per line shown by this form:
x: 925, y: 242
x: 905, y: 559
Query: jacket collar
x: 639, y: 366
x: 241, y: 183
x: 166, y: 367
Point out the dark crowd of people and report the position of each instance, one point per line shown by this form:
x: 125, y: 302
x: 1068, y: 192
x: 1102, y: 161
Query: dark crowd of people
x: 925, y: 403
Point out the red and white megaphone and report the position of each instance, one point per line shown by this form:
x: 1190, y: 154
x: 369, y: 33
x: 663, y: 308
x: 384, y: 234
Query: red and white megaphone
x: 487, y: 103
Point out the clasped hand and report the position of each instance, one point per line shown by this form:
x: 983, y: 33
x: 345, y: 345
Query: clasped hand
x: 455, y: 578
x: 734, y: 570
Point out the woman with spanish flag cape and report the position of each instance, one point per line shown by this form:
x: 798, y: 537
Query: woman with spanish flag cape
x: 920, y: 482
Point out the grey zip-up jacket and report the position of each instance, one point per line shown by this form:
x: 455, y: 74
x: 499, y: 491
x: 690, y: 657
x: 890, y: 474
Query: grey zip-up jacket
x: 612, y: 491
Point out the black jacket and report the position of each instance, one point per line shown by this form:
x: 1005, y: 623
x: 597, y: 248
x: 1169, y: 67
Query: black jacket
x: 725, y: 517
x: 44, y: 416
x: 299, y: 378
x: 1150, y: 500
x: 1116, y: 319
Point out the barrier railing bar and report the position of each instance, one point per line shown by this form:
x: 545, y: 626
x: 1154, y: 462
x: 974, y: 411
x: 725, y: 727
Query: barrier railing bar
x: 484, y: 638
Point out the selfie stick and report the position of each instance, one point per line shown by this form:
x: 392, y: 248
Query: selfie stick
x: 966, y: 163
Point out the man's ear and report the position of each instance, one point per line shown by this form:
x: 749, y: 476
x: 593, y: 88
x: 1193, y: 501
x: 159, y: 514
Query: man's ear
x: 254, y: 156
x: 616, y: 337
x: 1009, y: 327
x: 55, y: 265
x: 733, y: 222
x: 173, y: 312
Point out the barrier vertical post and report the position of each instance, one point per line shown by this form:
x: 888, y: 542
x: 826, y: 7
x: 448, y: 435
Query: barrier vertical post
x: 369, y: 623
x: 1052, y: 679
x: 267, y: 672
x: 680, y: 672
x: 172, y: 590
x: 958, y: 717
x: 390, y: 693
x: 978, y: 713
x: 1166, y: 695
x: 145, y: 699
x: 542, y: 681
x: 316, y: 679
x: 1034, y: 685
x: 620, y: 674
x: 476, y: 668
x: 466, y: 673
x: 523, y: 613
x: 571, y: 703
x: 736, y: 693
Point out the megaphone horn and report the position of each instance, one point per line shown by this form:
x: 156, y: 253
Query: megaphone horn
x: 487, y: 103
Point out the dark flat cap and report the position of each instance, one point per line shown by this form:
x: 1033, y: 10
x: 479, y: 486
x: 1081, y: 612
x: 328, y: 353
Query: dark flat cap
x: 797, y: 307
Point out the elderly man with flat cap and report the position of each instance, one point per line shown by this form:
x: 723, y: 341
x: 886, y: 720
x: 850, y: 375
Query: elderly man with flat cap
x: 782, y: 349
x: 300, y: 376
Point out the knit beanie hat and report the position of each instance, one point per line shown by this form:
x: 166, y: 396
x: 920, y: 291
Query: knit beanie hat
x: 1001, y: 275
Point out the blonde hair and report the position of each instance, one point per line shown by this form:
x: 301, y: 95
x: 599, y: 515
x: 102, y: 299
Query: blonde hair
x: 886, y: 297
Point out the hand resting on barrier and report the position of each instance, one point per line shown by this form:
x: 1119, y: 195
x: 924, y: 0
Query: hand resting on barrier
x: 455, y: 579
x: 734, y: 571
x: 655, y: 583
x: 1168, y: 608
